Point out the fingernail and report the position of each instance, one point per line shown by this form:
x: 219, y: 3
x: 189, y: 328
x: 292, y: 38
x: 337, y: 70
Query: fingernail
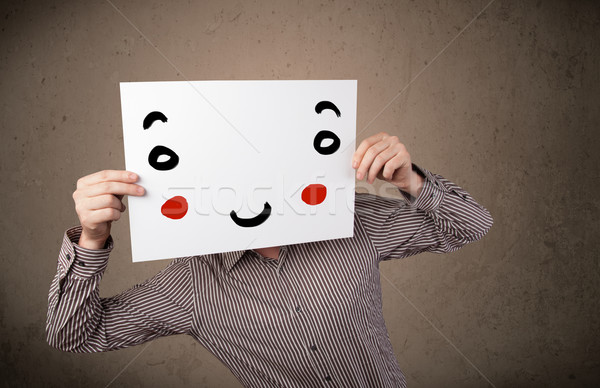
x: 140, y: 190
x: 354, y: 164
x: 359, y: 175
x: 132, y: 176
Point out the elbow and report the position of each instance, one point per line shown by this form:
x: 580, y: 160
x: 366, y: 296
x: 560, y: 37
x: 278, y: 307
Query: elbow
x: 59, y: 340
x: 475, y: 231
x: 480, y: 227
x: 487, y: 223
x: 53, y: 337
x: 66, y: 346
x: 54, y: 340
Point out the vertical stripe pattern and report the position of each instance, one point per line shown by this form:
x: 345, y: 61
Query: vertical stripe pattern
x: 311, y: 318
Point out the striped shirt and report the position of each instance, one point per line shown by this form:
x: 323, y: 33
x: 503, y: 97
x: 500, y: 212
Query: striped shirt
x: 311, y: 318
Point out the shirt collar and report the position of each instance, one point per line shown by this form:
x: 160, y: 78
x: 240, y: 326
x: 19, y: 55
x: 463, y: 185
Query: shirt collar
x: 231, y: 258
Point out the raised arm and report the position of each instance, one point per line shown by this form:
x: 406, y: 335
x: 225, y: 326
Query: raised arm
x: 436, y: 216
x: 78, y: 319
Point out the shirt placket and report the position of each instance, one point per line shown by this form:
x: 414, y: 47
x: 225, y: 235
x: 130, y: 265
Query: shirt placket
x: 307, y: 334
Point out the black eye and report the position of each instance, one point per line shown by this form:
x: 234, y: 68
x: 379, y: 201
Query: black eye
x: 329, y: 149
x: 166, y: 165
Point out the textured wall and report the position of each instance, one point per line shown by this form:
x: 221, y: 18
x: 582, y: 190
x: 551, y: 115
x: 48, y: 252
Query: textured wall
x: 507, y: 108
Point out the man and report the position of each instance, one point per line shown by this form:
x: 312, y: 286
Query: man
x: 301, y: 315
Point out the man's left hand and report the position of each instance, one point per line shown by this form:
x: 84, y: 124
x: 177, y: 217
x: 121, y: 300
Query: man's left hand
x: 383, y: 156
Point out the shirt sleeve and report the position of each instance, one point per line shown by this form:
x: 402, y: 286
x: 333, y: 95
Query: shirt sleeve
x: 80, y: 321
x: 443, y: 218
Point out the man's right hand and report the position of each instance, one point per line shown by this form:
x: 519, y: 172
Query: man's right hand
x: 98, y: 202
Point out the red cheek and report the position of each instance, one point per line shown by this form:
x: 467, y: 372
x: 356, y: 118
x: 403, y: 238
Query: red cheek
x: 314, y: 194
x: 175, y: 208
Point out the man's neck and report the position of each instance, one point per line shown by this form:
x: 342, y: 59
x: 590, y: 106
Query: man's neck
x: 271, y: 252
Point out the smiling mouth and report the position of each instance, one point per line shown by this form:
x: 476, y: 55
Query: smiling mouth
x: 254, y: 221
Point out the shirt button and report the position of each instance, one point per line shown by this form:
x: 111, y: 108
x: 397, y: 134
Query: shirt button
x: 298, y: 309
x: 68, y: 256
x: 313, y: 348
x: 327, y: 378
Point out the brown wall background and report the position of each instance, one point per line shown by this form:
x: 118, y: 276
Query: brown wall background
x: 508, y: 110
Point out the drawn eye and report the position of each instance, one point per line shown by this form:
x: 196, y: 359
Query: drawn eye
x: 322, y: 105
x: 152, y: 117
x: 164, y: 164
x: 326, y: 142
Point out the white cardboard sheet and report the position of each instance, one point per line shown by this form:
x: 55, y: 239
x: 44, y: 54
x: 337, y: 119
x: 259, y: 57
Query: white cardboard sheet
x: 247, y: 147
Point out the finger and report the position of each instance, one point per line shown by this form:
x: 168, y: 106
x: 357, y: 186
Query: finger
x: 100, y: 216
x: 364, y: 146
x: 380, y: 160
x: 369, y: 157
x: 108, y: 175
x: 104, y: 201
x: 115, y: 188
x: 397, y: 162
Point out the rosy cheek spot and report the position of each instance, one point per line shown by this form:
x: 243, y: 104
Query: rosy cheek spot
x: 175, y: 208
x: 314, y: 194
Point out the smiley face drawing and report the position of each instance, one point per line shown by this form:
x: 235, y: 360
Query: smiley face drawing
x: 234, y: 165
